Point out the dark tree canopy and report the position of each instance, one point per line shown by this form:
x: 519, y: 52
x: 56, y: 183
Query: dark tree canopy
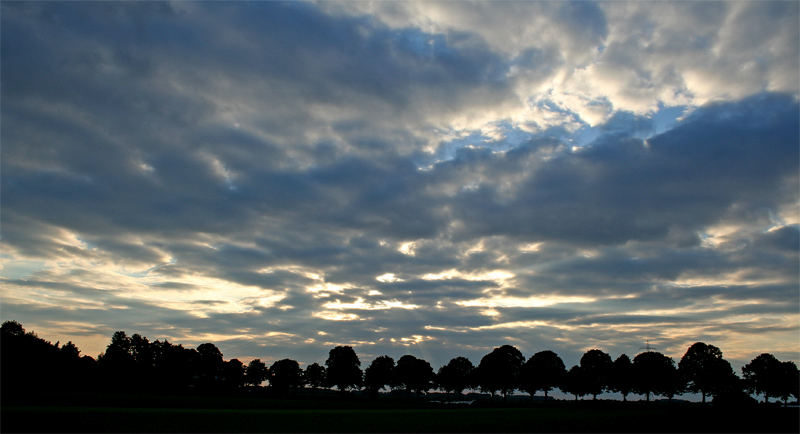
x: 256, y: 372
x: 500, y: 370
x: 343, y: 368
x: 596, y: 366
x: 285, y: 375
x: 210, y: 365
x: 209, y: 352
x: 789, y: 383
x: 575, y: 382
x: 12, y: 328
x: 456, y: 375
x: 655, y: 373
x: 622, y: 376
x: 29, y: 364
x: 413, y: 374
x: 233, y: 372
x: 704, y: 370
x: 543, y: 371
x: 118, y: 352
x: 315, y: 375
x: 70, y: 350
x: 764, y: 375
x: 379, y: 374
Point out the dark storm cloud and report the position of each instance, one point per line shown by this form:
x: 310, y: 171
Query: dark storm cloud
x: 153, y: 124
x: 273, y: 146
x: 621, y: 189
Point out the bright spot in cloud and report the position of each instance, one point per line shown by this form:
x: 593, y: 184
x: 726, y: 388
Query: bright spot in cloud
x: 533, y: 301
x: 388, y: 278
x: 407, y: 248
x: 456, y: 274
x: 361, y: 304
x: 336, y: 316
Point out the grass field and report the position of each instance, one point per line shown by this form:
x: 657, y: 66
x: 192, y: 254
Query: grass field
x: 534, y: 419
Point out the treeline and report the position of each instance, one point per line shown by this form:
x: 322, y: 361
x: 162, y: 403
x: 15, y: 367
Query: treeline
x: 130, y: 364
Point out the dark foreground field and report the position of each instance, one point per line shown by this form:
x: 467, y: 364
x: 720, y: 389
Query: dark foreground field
x: 544, y: 418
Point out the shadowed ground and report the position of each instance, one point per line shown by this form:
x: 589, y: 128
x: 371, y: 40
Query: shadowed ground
x: 562, y: 418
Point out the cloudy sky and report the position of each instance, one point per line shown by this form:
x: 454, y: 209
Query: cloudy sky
x: 422, y: 178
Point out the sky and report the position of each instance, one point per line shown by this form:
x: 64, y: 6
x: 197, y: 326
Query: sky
x: 426, y: 178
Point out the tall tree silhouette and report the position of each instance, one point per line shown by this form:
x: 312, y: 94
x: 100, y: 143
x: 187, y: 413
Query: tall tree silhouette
x: 654, y: 373
x: 704, y: 369
x: 343, y: 368
x: 315, y: 375
x: 210, y: 364
x: 543, y: 371
x: 500, y: 370
x: 456, y: 375
x: 763, y: 375
x: 285, y: 375
x: 379, y: 374
x: 789, y: 382
x: 596, y: 366
x: 117, y: 363
x: 622, y: 376
x: 575, y: 382
x: 176, y: 367
x: 233, y: 374
x: 256, y: 372
x: 413, y: 374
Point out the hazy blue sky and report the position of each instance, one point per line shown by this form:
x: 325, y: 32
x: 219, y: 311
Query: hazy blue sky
x: 422, y: 178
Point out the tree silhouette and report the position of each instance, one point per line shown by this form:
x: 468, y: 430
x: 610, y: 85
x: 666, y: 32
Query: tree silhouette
x: 12, y: 329
x: 596, y: 366
x: 31, y: 365
x: 378, y: 374
x: 654, y: 373
x: 117, y: 363
x: 622, y: 376
x: 233, y: 374
x: 789, y: 382
x: 285, y: 375
x: 762, y: 375
x: 256, y: 372
x: 500, y: 370
x: 176, y: 367
x: 141, y: 351
x: 575, y: 382
x: 456, y: 375
x: 704, y: 369
x: 343, y: 368
x: 315, y: 375
x: 414, y: 374
x: 118, y: 352
x: 210, y: 365
x: 70, y: 350
x: 543, y: 371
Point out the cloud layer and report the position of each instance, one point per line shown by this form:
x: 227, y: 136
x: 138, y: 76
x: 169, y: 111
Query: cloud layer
x: 426, y: 178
